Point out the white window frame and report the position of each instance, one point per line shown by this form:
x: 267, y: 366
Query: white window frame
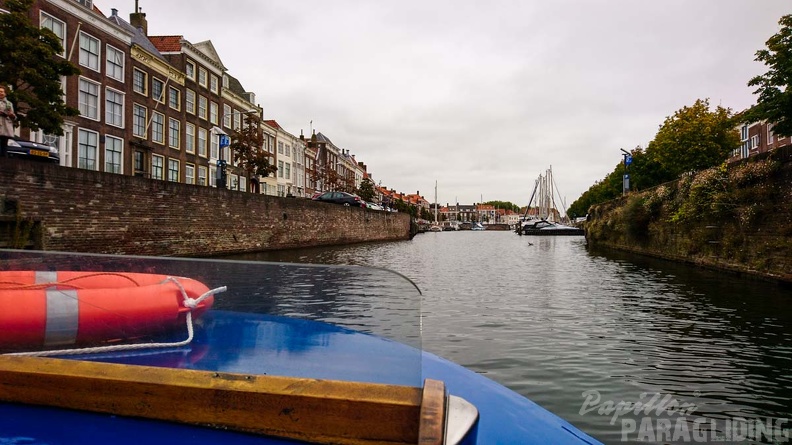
x: 189, y: 101
x: 189, y: 174
x: 162, y: 96
x: 213, y: 110
x: 203, y: 107
x: 202, y: 76
x: 116, y: 118
x: 173, y: 173
x: 143, y: 85
x: 44, y: 18
x: 189, y: 134
x: 158, y: 167
x: 83, y: 147
x: 114, y: 70
x: 139, y: 122
x: 174, y: 98
x: 87, y: 58
x: 203, y: 138
x: 110, y: 154
x: 202, y: 175
x: 174, y: 133
x: 189, y: 69
x: 227, y: 112
x: 157, y: 127
x: 213, y: 84
x: 85, y: 98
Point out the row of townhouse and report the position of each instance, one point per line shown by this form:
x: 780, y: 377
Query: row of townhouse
x: 157, y: 106
x: 758, y: 137
x: 478, y: 212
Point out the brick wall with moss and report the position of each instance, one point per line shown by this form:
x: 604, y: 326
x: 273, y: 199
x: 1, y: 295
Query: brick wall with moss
x: 736, y: 217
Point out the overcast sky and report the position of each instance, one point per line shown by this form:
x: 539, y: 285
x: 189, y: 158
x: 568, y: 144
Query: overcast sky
x: 480, y: 96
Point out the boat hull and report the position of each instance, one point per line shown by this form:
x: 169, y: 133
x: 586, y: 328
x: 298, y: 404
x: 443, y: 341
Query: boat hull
x: 273, y: 345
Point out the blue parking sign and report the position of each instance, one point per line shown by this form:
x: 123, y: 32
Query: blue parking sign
x: 225, y: 141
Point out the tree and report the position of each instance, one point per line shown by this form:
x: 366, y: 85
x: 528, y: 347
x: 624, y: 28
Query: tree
x: 366, y: 190
x: 246, y: 146
x: 30, y: 64
x: 694, y: 138
x: 775, y: 87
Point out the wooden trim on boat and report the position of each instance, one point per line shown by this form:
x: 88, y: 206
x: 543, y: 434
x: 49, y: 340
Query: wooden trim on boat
x: 316, y: 411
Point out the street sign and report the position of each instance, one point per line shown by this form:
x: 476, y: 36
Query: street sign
x: 628, y: 160
x: 225, y: 141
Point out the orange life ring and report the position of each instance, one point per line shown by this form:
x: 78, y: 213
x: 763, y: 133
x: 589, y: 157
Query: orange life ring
x: 59, y: 309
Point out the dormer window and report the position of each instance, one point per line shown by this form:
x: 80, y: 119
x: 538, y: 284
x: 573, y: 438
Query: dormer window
x: 87, y: 3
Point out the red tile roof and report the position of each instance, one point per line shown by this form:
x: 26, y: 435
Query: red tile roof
x: 166, y: 44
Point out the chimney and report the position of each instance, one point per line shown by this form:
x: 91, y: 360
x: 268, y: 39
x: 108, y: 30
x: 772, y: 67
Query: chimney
x: 138, y: 19
x: 115, y: 12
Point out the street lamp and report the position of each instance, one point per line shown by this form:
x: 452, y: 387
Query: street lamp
x: 223, y: 142
x: 626, y: 180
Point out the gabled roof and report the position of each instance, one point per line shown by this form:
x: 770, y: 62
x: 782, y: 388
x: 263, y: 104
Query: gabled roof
x: 138, y: 37
x: 322, y: 138
x: 209, y: 50
x: 167, y: 44
x: 272, y: 123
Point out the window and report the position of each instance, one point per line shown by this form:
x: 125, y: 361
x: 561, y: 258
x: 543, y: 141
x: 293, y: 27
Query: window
x: 769, y: 134
x: 157, y: 167
x: 242, y: 184
x: 173, y: 170
x: 189, y: 131
x: 225, y: 81
x: 113, y: 156
x: 202, y: 142
x: 287, y: 173
x: 87, y: 147
x: 213, y: 84
x: 280, y: 148
x: 287, y: 150
x: 57, y: 27
x: 237, y: 119
x: 174, y: 98
x: 89, y: 99
x: 202, y: 77
x: 189, y: 174
x: 213, y: 113
x: 202, y: 107
x: 139, y: 161
x: 212, y: 176
x: 157, y: 90
x: 89, y: 51
x: 280, y: 169
x: 744, y: 133
x: 202, y: 175
x: 115, y: 64
x: 215, y: 144
x: 227, y: 116
x: 114, y: 108
x: 189, y: 101
x: 754, y: 142
x: 139, y: 82
x: 189, y: 69
x: 174, y: 132
x: 139, y: 120
x: 158, y: 127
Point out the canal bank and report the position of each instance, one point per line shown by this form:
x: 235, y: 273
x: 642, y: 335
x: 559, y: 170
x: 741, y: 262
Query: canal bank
x: 47, y: 207
x: 736, y: 217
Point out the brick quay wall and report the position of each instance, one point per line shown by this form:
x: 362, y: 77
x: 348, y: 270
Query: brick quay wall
x: 736, y: 217
x: 48, y: 207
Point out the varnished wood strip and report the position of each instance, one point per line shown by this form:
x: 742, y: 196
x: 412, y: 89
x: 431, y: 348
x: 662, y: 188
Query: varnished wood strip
x: 317, y: 411
x: 433, y: 413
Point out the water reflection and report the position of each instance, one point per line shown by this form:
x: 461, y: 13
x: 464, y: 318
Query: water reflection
x: 551, y: 319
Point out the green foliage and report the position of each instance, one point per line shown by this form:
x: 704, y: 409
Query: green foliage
x: 706, y: 196
x: 504, y: 205
x: 775, y: 87
x: 694, y: 138
x: 30, y: 64
x: 247, y: 152
x: 366, y: 189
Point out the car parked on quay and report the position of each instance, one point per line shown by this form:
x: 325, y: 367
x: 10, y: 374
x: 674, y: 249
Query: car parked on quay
x: 343, y: 198
x: 21, y: 148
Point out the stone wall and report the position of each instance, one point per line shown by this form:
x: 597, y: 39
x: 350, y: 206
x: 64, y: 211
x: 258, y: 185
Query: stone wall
x: 67, y: 209
x: 736, y: 217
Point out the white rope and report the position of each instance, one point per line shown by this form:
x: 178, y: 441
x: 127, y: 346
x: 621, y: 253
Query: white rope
x: 190, y: 303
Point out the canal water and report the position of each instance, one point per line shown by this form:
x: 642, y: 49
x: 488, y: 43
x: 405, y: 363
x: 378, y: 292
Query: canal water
x: 688, y: 355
